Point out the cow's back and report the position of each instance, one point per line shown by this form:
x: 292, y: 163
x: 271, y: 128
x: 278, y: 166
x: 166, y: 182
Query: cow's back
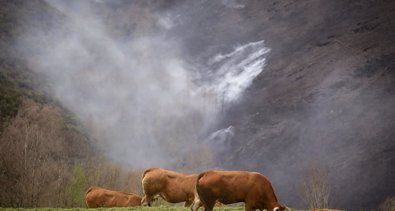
x: 154, y: 180
x: 133, y: 200
x: 172, y: 186
x: 183, y: 183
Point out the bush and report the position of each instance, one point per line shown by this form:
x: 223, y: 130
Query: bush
x: 10, y: 101
x: 77, y: 187
x: 388, y: 204
x: 315, y: 187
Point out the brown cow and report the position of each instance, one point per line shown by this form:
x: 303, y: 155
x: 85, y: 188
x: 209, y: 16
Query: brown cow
x: 228, y: 187
x: 172, y: 186
x: 100, y: 197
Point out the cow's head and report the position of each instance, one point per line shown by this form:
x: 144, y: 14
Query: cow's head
x: 145, y: 202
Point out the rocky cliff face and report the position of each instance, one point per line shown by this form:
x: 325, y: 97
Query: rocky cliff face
x: 326, y: 96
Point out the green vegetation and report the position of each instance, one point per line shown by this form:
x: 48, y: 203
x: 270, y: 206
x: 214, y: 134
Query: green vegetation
x: 77, y: 187
x: 10, y: 102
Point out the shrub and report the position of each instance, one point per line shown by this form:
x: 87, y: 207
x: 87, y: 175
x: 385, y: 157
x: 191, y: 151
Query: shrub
x: 388, y: 204
x: 77, y: 187
x: 315, y: 187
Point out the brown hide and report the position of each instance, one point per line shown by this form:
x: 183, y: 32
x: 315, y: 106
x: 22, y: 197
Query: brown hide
x: 100, y: 197
x: 228, y: 187
x: 172, y: 186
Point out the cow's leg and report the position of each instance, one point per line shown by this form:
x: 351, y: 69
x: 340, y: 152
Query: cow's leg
x: 91, y: 205
x: 248, y: 207
x: 196, y: 205
x: 209, y: 205
x: 187, y: 203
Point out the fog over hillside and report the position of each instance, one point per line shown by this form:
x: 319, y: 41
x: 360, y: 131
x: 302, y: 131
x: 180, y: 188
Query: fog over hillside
x: 278, y: 87
x: 140, y: 97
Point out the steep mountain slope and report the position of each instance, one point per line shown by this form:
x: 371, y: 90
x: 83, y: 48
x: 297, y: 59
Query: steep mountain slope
x: 46, y: 157
x: 326, y: 96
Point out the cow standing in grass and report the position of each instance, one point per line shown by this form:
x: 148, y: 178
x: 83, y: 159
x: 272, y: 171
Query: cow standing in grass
x: 172, y: 186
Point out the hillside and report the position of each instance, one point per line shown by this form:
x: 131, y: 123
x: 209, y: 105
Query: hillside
x: 326, y: 97
x: 324, y: 100
x: 47, y: 157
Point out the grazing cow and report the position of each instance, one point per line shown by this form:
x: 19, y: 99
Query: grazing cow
x: 100, y: 197
x: 172, y: 186
x: 230, y: 187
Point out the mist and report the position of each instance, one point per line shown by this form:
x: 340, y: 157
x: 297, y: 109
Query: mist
x: 140, y: 98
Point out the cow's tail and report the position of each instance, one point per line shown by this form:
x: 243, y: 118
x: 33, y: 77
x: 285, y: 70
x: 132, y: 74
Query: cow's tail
x: 197, y: 182
x: 196, y: 204
x: 197, y: 201
x: 199, y: 177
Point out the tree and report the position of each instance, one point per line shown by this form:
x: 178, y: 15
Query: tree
x: 31, y: 155
x: 108, y: 175
x: 314, y: 187
x: 77, y: 187
x: 388, y: 204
